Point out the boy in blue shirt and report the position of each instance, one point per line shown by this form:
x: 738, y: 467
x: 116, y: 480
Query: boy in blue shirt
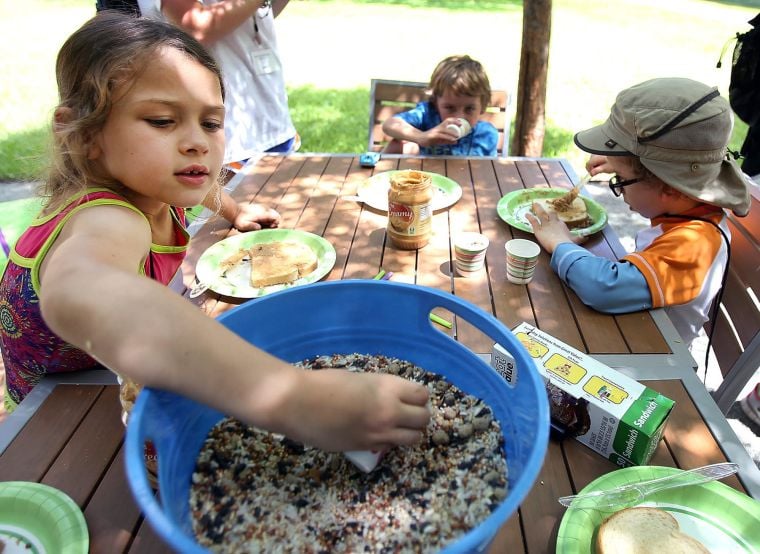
x: 447, y: 124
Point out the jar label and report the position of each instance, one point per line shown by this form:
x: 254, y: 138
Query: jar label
x: 400, y: 213
x: 409, y: 220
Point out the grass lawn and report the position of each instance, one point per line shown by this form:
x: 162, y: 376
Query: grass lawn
x: 14, y: 218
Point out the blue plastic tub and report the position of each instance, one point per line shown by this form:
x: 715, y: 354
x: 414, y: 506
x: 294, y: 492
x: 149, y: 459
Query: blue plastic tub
x: 369, y: 317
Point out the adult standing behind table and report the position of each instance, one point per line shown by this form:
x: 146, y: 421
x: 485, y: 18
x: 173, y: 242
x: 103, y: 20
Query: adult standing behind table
x: 241, y: 36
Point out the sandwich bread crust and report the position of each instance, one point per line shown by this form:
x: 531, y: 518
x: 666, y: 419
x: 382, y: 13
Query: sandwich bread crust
x: 644, y: 531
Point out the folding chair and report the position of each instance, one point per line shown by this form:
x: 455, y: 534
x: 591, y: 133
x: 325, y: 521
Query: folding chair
x: 388, y: 98
x: 736, y: 340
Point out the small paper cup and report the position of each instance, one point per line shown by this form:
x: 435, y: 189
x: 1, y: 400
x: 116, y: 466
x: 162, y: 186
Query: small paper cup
x: 470, y: 253
x: 463, y: 129
x: 522, y: 258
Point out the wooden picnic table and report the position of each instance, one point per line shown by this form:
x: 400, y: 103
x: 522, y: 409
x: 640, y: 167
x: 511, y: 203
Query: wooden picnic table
x: 317, y: 194
x: 68, y: 434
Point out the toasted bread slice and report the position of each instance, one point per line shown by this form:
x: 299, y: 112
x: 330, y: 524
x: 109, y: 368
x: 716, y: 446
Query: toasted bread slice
x: 231, y: 261
x: 575, y: 215
x: 280, y: 262
x: 644, y: 531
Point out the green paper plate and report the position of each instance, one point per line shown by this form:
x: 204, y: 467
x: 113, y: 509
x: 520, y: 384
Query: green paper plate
x: 721, y: 518
x: 237, y: 280
x: 37, y: 519
x: 374, y: 191
x: 514, y: 205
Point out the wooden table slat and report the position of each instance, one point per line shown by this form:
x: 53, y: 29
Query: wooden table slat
x: 32, y: 453
x: 555, y: 174
x: 248, y: 190
x: 298, y: 191
x: 316, y: 213
x: 463, y: 218
x: 540, y: 507
x: 365, y: 255
x: 112, y: 516
x: 530, y: 174
x: 598, y: 335
x: 507, y: 177
x: 146, y: 541
x: 509, y: 538
x: 641, y: 334
x: 344, y: 219
x: 89, y: 450
x: 279, y: 183
x: 688, y: 439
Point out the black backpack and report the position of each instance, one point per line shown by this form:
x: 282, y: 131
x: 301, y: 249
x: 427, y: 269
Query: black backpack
x: 127, y: 6
x: 744, y: 86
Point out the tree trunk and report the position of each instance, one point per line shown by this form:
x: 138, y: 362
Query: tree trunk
x: 528, y: 137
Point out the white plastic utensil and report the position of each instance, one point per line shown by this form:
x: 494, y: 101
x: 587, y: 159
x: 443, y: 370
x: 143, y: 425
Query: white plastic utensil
x: 583, y: 181
x: 627, y: 495
x: 224, y: 267
x: 198, y: 289
x: 564, y: 201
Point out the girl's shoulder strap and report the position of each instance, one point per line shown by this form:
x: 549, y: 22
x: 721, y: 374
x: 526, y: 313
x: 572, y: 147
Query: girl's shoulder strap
x: 99, y: 195
x: 32, y: 246
x: 46, y: 226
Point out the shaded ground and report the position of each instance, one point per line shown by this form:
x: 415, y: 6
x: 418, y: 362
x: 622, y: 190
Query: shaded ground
x: 16, y: 191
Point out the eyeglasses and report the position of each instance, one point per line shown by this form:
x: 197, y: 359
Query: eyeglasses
x: 616, y: 184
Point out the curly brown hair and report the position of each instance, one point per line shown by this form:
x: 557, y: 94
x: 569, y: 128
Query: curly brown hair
x: 108, y: 51
x: 464, y: 76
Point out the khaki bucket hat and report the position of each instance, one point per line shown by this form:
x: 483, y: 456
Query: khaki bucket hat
x: 679, y: 128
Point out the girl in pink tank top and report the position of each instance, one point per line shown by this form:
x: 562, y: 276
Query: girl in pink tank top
x: 139, y: 137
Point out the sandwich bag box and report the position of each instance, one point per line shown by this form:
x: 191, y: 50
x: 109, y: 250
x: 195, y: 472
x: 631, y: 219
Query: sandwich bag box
x: 611, y: 413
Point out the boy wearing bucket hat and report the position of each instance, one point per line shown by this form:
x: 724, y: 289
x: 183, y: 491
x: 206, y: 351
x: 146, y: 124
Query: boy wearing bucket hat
x: 665, y: 140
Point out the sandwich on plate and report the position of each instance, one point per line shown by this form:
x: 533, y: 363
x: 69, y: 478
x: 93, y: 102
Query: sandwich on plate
x: 569, y: 208
x: 280, y: 262
x: 642, y: 530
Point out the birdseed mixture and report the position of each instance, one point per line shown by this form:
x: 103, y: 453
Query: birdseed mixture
x: 254, y: 491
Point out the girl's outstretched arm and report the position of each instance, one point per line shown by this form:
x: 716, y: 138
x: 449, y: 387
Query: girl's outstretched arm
x: 92, y: 296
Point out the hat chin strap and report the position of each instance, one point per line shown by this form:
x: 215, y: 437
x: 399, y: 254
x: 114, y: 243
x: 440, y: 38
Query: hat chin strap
x: 718, y: 297
x: 680, y: 117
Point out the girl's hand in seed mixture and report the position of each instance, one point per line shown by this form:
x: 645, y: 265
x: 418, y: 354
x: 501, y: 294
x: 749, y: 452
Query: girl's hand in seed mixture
x: 337, y: 411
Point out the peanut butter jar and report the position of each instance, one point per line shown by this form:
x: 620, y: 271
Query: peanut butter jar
x: 410, y: 209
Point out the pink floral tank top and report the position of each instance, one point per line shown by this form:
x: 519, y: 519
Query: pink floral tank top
x: 29, y: 348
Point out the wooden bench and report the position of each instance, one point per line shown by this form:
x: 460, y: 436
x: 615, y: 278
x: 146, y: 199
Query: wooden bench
x: 736, y: 339
x: 388, y: 98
